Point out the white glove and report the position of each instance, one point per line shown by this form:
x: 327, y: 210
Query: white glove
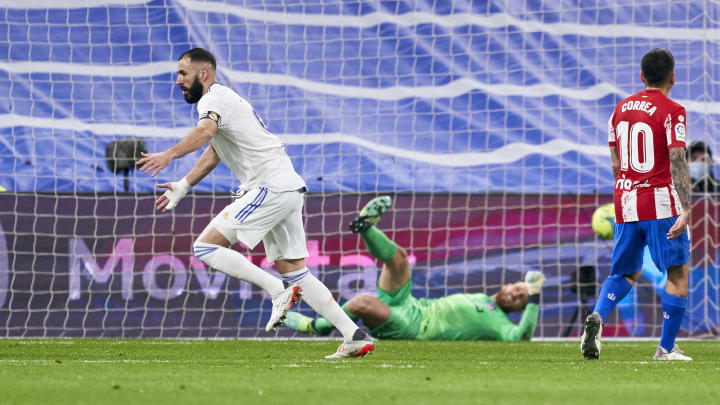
x: 534, y: 281
x: 179, y: 189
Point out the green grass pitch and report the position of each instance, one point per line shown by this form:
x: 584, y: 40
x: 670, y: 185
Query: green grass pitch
x: 90, y: 371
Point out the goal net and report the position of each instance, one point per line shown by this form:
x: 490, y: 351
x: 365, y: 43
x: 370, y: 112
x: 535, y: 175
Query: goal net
x: 485, y: 121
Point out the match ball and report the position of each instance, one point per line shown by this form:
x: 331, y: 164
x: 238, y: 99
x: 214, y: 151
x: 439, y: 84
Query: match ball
x: 603, y: 220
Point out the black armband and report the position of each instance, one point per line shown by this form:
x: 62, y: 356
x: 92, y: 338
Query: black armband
x: 211, y: 115
x: 533, y: 299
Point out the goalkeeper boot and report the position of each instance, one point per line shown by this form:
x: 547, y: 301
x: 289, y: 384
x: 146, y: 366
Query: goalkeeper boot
x: 299, y: 322
x: 590, y: 343
x: 361, y: 345
x: 281, y: 304
x: 674, y: 354
x: 370, y: 214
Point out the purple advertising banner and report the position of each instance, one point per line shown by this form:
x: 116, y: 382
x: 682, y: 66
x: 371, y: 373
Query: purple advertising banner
x: 109, y: 266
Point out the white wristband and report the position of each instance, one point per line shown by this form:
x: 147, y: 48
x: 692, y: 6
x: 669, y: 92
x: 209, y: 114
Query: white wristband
x: 183, y: 184
x: 180, y: 188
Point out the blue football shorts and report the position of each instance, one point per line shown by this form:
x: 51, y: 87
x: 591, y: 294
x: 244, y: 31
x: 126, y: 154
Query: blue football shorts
x: 632, y: 237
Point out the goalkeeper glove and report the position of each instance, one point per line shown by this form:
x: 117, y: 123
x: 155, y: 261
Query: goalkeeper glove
x: 179, y: 189
x: 534, y: 281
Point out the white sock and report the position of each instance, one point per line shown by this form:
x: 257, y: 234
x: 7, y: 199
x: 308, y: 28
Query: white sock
x: 315, y: 294
x: 236, y: 265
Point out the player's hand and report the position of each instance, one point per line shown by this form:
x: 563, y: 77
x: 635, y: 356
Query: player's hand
x: 679, y: 226
x: 175, y: 191
x: 534, y: 281
x: 154, y: 162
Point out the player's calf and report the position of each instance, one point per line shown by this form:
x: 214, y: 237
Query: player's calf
x: 398, y: 262
x: 301, y: 323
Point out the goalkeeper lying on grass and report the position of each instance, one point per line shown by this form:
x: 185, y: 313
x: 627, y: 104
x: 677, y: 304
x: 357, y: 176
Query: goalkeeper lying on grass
x: 395, y: 314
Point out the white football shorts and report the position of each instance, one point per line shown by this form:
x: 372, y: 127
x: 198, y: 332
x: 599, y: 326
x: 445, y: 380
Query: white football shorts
x: 263, y: 215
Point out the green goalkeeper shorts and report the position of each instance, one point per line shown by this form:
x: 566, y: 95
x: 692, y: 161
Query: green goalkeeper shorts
x: 405, y: 315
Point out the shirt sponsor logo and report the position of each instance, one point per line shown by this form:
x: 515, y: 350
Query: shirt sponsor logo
x: 627, y: 184
x: 680, y: 131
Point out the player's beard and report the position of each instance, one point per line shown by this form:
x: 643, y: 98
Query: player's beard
x: 194, y: 93
x: 501, y: 301
x: 504, y: 301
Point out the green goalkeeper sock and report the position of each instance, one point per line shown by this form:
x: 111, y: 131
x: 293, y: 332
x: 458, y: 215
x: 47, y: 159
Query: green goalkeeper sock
x: 322, y: 326
x: 378, y: 244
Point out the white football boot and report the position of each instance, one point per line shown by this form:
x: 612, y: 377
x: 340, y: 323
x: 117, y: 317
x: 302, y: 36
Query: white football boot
x: 281, y: 304
x: 674, y: 354
x: 361, y: 345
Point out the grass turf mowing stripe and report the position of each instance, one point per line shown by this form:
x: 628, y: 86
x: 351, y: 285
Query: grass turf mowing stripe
x: 273, y: 372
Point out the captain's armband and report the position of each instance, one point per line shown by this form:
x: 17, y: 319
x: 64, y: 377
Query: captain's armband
x: 211, y: 115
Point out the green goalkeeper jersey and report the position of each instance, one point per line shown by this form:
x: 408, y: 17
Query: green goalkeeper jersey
x: 472, y: 317
x: 455, y: 317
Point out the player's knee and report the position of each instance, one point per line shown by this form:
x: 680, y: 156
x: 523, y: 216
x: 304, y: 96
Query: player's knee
x: 204, y: 251
x: 361, y: 304
x: 630, y: 278
x: 678, y: 276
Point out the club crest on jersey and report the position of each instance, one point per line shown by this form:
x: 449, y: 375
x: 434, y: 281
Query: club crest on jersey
x: 212, y: 115
x: 680, y: 131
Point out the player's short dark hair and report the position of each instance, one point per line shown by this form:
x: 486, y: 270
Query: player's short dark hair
x: 699, y: 146
x: 200, y: 55
x: 657, y: 65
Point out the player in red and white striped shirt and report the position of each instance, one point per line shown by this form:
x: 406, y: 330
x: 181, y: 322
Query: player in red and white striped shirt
x: 642, y: 131
x: 652, y: 202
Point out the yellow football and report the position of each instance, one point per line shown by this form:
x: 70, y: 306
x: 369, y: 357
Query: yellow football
x: 603, y: 220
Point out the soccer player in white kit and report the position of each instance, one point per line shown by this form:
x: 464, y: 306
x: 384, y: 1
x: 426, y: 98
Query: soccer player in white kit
x: 269, y: 203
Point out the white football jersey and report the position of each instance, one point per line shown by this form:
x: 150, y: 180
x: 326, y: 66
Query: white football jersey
x: 243, y: 143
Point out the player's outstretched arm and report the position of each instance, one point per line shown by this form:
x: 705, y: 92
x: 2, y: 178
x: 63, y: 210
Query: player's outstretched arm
x: 199, y: 136
x: 208, y: 162
x: 523, y: 330
x: 534, y: 280
x: 681, y: 181
x: 177, y: 189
